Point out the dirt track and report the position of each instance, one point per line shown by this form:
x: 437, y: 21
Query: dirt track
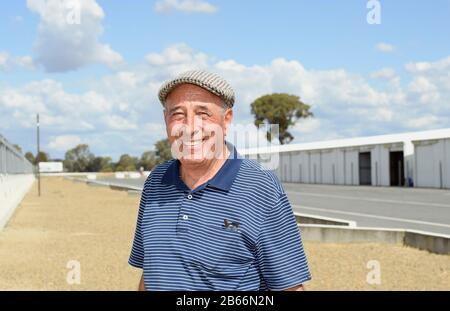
x: 94, y: 226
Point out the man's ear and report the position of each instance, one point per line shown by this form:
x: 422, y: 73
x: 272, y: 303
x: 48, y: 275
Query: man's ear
x: 228, y: 118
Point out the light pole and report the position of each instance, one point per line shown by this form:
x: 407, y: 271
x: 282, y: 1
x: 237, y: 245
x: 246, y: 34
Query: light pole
x: 37, y: 156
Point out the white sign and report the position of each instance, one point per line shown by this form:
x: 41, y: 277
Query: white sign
x: 50, y: 167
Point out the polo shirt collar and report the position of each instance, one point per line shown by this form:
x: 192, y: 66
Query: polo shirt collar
x: 223, y: 179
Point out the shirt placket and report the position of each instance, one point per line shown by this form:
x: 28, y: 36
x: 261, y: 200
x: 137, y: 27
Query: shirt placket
x: 185, y: 212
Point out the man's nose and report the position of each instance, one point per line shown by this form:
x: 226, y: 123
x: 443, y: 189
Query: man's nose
x: 193, y: 126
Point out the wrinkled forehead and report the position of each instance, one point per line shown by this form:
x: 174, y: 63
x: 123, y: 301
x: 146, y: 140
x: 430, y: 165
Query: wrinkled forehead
x: 187, y: 93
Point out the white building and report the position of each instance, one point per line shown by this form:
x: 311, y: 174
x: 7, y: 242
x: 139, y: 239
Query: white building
x: 421, y: 159
x: 51, y: 167
x: 432, y: 162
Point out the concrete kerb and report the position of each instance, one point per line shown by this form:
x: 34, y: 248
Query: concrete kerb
x: 342, y: 234
x: 112, y: 185
x: 316, y: 219
x: 434, y: 243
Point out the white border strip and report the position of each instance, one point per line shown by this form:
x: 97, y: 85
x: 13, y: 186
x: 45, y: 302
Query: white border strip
x: 400, y: 230
x: 349, y: 223
x: 107, y: 184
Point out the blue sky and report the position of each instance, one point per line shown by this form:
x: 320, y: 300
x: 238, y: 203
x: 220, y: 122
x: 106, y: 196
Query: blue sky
x: 96, y: 82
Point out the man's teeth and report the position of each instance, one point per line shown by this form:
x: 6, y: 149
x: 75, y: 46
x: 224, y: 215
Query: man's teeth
x: 193, y: 143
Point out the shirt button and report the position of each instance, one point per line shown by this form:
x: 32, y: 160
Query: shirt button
x: 189, y: 196
x: 185, y: 217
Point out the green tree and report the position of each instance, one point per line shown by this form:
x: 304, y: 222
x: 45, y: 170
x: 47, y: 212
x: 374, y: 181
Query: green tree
x: 148, y: 160
x: 127, y: 163
x: 79, y: 159
x: 30, y: 157
x: 163, y: 151
x: 119, y: 168
x: 42, y: 157
x: 282, y: 109
x: 101, y: 164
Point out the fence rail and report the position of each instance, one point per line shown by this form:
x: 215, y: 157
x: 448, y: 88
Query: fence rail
x: 12, y: 161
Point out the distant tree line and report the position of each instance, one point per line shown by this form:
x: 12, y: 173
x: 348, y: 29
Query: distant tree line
x: 81, y: 159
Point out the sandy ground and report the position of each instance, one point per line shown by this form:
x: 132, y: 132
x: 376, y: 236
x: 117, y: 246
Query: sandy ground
x: 73, y: 223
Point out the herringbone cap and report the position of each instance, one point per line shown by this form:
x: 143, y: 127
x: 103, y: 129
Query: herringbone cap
x: 204, y: 79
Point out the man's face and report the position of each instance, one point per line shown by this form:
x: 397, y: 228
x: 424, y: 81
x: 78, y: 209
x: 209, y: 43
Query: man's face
x: 196, y: 123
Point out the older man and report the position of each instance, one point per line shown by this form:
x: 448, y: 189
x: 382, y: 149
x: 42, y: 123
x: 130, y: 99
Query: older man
x: 209, y: 219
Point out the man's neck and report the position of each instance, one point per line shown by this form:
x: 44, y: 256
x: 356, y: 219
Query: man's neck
x: 197, y: 174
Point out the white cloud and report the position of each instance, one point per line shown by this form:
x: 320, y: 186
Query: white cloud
x: 307, y: 126
x: 63, y: 44
x: 387, y: 74
x: 379, y: 114
x: 426, y: 121
x: 9, y: 63
x: 25, y: 62
x: 421, y: 84
x: 175, y: 54
x: 59, y: 109
x: 423, y: 67
x: 95, y: 102
x: 4, y: 58
x: 430, y: 83
x: 128, y: 78
x: 188, y: 6
x: 64, y: 142
x: 177, y: 58
x: 425, y: 90
x: 383, y: 114
x: 384, y: 73
x: 119, y: 123
x: 385, y: 47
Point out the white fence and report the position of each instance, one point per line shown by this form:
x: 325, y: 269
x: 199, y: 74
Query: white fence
x: 16, y: 179
x: 12, y: 190
x: 11, y: 160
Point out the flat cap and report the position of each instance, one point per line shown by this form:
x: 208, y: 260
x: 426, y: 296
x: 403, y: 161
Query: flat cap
x: 204, y: 79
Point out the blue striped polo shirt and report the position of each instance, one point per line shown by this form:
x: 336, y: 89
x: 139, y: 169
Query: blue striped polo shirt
x: 235, y: 232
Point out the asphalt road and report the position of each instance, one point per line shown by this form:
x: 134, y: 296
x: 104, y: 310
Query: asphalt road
x: 385, y: 207
x: 380, y: 207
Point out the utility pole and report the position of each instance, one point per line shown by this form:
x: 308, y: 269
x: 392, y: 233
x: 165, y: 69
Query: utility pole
x: 37, y: 156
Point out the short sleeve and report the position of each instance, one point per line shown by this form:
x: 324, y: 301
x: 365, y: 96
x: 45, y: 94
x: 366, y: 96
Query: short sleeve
x: 279, y: 249
x: 137, y: 251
